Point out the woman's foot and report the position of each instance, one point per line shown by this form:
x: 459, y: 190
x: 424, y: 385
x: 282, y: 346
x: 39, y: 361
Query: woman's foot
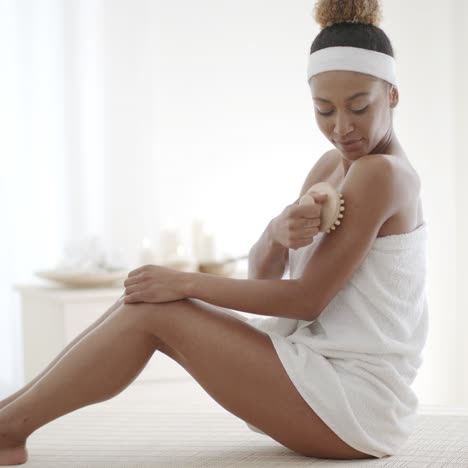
x: 12, y: 447
x: 13, y: 456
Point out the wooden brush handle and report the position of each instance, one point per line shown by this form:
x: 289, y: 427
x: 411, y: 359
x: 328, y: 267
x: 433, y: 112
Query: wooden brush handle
x: 331, y: 209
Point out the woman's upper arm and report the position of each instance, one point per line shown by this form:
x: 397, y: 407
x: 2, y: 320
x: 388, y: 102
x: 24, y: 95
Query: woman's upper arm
x: 371, y: 197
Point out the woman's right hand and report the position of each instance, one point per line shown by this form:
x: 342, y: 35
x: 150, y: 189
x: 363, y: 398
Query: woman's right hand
x: 298, y: 224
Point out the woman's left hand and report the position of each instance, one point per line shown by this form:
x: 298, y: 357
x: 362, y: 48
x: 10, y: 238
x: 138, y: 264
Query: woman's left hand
x: 153, y: 283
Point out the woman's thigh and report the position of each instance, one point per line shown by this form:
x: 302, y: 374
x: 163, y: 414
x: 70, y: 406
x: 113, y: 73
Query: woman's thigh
x: 238, y: 366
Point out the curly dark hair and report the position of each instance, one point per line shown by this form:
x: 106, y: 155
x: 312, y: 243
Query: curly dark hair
x: 352, y: 23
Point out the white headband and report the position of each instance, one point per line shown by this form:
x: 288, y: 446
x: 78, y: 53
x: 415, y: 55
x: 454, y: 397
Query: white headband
x: 355, y: 59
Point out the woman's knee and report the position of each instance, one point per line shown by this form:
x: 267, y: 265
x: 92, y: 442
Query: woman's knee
x: 146, y: 317
x: 139, y: 314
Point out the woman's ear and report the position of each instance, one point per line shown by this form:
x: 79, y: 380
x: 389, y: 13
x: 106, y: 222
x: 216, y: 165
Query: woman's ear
x: 394, y: 96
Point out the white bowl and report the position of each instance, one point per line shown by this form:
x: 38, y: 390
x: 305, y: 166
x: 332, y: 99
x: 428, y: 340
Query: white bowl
x: 83, y: 279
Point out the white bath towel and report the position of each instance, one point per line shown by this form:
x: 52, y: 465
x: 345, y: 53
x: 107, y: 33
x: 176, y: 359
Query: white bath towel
x: 356, y: 363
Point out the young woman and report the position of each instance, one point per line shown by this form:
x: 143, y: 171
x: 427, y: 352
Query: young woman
x: 326, y: 369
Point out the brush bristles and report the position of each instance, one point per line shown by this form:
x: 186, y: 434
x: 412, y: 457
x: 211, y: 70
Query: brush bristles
x: 340, y: 216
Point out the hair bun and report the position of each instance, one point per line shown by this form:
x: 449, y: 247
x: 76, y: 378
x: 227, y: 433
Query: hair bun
x: 329, y: 12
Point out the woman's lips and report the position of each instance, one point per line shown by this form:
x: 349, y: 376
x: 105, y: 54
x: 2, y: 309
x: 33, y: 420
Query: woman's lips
x: 350, y: 145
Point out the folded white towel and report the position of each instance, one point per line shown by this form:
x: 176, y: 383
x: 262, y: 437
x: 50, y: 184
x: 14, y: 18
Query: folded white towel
x: 355, y: 364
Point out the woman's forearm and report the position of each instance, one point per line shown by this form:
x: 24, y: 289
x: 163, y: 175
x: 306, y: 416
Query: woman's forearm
x: 267, y: 258
x: 271, y: 297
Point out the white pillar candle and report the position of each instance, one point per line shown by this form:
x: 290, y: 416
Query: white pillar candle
x: 147, y: 253
x: 169, y: 243
x: 207, y: 248
x: 197, y: 233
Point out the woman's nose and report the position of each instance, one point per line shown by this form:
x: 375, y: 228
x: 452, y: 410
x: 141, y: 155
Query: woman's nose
x: 343, y: 125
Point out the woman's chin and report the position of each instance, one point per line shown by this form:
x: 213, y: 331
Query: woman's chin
x: 352, y: 153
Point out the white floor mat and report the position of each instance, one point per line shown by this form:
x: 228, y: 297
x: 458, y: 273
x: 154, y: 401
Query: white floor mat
x: 177, y: 424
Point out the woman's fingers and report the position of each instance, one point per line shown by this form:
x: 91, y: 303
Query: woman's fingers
x: 135, y: 297
x: 308, y: 231
x: 138, y: 270
x: 302, y: 222
x: 310, y: 226
x: 132, y: 280
x: 132, y: 289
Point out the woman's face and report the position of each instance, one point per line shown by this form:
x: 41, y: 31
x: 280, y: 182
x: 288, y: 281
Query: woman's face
x: 354, y: 107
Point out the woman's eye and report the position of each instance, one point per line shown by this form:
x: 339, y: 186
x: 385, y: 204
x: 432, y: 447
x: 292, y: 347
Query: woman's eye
x: 325, y: 113
x: 360, y: 111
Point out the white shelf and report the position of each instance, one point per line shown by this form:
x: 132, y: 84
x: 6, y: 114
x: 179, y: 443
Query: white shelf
x: 51, y: 317
x: 63, y: 295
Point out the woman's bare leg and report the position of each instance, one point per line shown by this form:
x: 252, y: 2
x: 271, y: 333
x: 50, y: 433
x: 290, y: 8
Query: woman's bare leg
x: 97, y: 368
x: 70, y: 345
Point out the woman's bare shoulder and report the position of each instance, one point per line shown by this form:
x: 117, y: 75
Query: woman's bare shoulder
x: 320, y: 170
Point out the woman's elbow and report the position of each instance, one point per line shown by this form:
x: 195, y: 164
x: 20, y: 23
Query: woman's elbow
x: 307, y: 304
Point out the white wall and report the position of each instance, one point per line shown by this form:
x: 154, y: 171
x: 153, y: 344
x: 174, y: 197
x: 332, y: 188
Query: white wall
x: 141, y: 112
x: 32, y: 175
x: 459, y: 132
x: 218, y: 122
x: 182, y: 116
